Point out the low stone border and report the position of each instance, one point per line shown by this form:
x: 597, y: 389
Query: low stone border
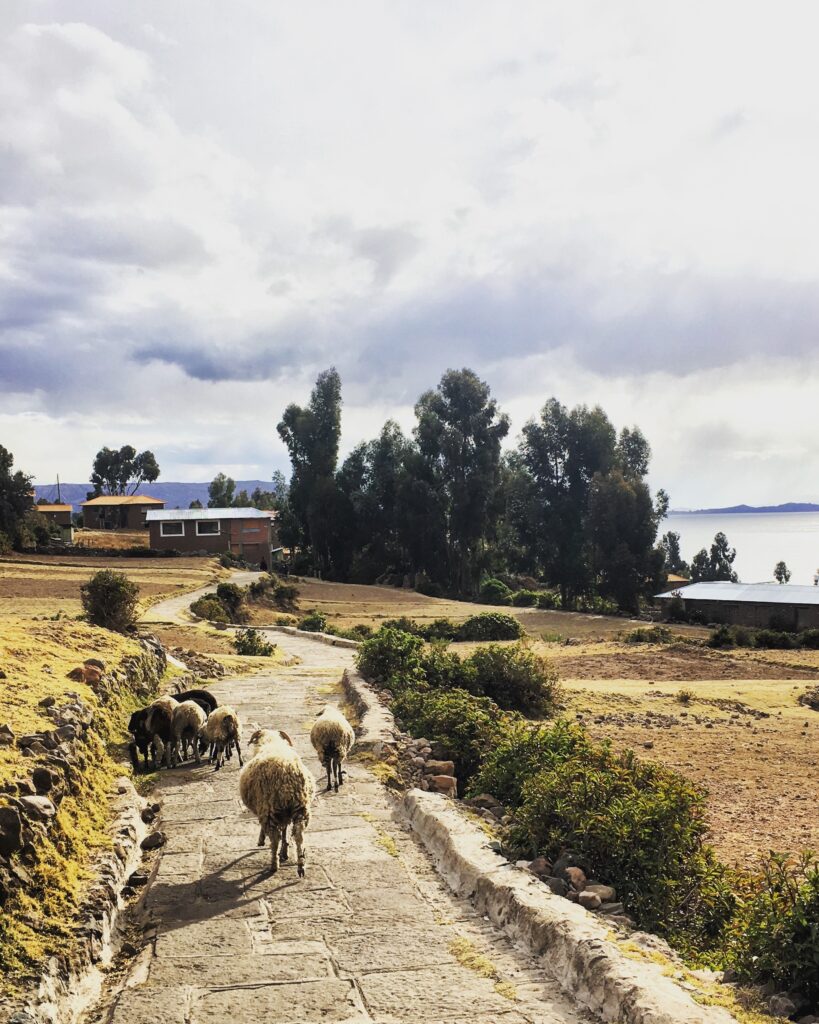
x: 575, y: 947
x: 376, y: 723
x: 322, y: 638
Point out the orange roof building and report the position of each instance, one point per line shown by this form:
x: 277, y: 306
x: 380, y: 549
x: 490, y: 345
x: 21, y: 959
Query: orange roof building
x: 118, y: 511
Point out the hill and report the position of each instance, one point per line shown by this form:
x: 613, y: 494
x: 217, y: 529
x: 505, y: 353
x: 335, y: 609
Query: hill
x: 175, y: 495
x: 788, y: 506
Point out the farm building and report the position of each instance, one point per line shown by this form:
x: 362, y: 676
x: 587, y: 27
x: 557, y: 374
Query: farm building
x: 118, y: 511
x: 246, y: 532
x: 760, y: 605
x: 674, y: 581
x: 59, y: 515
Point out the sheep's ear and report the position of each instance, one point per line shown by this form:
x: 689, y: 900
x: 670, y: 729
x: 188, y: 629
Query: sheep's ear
x: 284, y: 736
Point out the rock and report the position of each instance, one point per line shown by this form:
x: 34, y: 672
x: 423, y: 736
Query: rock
x: 153, y: 841
x: 11, y: 831
x: 147, y: 815
x: 25, y: 787
x: 96, y: 662
x: 138, y: 879
x: 622, y: 919
x: 522, y: 864
x: 494, y: 845
x: 576, y: 877
x: 38, y: 807
x: 443, y: 784
x: 3, y: 674
x: 606, y: 893
x: 540, y: 867
x: 440, y: 767
x: 484, y: 801
x: 47, y: 702
x: 557, y: 885
x: 418, y: 762
x: 566, y: 860
x: 649, y: 745
x: 65, y: 733
x: 420, y: 743
x: 589, y: 900
x: 156, y: 808
x: 810, y: 1019
x: 612, y: 908
x: 781, y: 1005
x: 44, y: 779
x: 6, y: 735
x: 29, y: 739
x: 35, y: 749
x: 76, y: 675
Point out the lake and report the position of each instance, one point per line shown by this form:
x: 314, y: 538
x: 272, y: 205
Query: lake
x: 761, y: 540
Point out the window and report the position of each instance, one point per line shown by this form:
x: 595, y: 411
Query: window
x: 172, y: 529
x: 208, y: 528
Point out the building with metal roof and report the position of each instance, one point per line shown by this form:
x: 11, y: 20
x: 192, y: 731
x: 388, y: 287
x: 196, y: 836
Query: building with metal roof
x: 192, y: 514
x: 118, y: 511
x: 246, y: 532
x: 761, y: 605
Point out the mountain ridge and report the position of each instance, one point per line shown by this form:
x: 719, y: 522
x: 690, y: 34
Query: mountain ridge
x: 788, y: 506
x: 175, y: 494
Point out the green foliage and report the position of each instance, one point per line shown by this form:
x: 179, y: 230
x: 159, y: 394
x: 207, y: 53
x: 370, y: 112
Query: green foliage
x: 490, y: 626
x: 269, y: 586
x: 674, y: 562
x: 232, y: 599
x: 597, y: 605
x: 684, y: 696
x: 121, y: 472
x: 649, y: 635
x: 548, y: 599
x: 494, y: 591
x: 776, y: 639
x: 391, y: 658
x: 775, y: 933
x: 5, y: 543
x: 221, y: 490
x: 722, y: 637
x: 440, y: 629
x: 782, y: 573
x: 810, y: 639
x: 468, y: 726
x: 426, y: 586
x: 15, y: 498
x: 515, y: 678
x: 715, y: 565
x: 675, y: 612
x: 211, y: 608
x: 525, y: 598
x: 403, y: 624
x: 444, y: 670
x: 637, y: 824
x: 314, y: 621
x: 252, y: 642
x: 110, y: 599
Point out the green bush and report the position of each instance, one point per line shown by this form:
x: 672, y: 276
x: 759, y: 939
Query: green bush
x: 466, y: 725
x: 490, y: 626
x: 429, y: 588
x: 743, y: 637
x: 251, y: 642
x: 110, y: 599
x: 525, y: 598
x: 5, y: 543
x: 598, y: 605
x: 210, y: 607
x: 391, y: 658
x: 636, y: 824
x: 494, y: 591
x: 810, y: 638
x: 775, y: 639
x: 722, y: 637
x: 775, y: 933
x: 439, y: 629
x: 232, y: 599
x: 675, y: 612
x: 651, y: 635
x: 444, y: 670
x: 548, y: 599
x: 403, y: 624
x: 515, y: 678
x: 314, y: 622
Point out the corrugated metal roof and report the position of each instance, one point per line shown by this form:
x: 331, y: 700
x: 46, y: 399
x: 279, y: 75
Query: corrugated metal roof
x: 52, y: 508
x: 177, y: 514
x: 749, y: 593
x: 123, y: 499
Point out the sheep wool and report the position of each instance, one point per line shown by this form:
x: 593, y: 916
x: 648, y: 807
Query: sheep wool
x: 187, y: 723
x: 277, y: 787
x: 159, y: 726
x: 332, y: 737
x: 222, y: 731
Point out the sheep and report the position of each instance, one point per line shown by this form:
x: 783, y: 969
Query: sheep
x: 204, y: 698
x: 158, y: 725
x: 188, y: 721
x: 143, y: 742
x: 222, y: 730
x: 332, y: 737
x: 277, y: 787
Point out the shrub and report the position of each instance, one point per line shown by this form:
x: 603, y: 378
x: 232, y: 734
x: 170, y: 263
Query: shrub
x: 5, y: 543
x: 466, y: 725
x: 232, y: 598
x: 444, y: 670
x: 391, y: 658
x: 598, y: 605
x: 439, y: 629
x: 525, y: 598
x: 515, y: 678
x: 781, y: 623
x: 722, y: 637
x: 684, y: 696
x: 494, y: 591
x: 314, y: 622
x: 109, y: 599
x: 676, y: 609
x: 775, y: 639
x: 743, y: 637
x: 651, y: 635
x: 403, y: 624
x: 810, y: 638
x: 251, y: 642
x: 548, y: 599
x: 210, y: 607
x: 429, y: 588
x: 774, y: 936
x: 638, y: 825
x: 490, y: 626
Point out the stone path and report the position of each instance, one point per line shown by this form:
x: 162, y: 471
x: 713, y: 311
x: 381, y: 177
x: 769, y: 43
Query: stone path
x: 370, y: 935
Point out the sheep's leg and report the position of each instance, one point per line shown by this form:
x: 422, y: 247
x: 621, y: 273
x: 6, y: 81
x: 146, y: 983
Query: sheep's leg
x: 220, y: 755
x: 239, y: 752
x: 337, y: 771
x: 284, y: 854
x: 262, y: 836
x: 329, y: 766
x: 274, y: 847
x: 196, y: 750
x: 298, y: 836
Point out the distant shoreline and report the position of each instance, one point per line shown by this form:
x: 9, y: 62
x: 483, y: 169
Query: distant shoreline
x: 791, y: 507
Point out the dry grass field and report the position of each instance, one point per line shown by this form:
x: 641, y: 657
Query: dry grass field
x: 118, y: 540
x: 42, y: 586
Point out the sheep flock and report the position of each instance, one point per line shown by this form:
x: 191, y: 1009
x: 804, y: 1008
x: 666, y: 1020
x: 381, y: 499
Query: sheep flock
x: 274, y: 782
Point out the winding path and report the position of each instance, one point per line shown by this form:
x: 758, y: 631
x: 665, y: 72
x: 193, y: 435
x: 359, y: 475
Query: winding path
x: 371, y: 934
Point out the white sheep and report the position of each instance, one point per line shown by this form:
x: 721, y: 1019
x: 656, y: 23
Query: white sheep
x: 222, y: 730
x: 277, y: 787
x: 187, y: 724
x: 332, y: 737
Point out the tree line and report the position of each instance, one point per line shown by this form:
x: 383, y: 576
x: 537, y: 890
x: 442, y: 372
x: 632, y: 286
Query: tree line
x: 447, y: 506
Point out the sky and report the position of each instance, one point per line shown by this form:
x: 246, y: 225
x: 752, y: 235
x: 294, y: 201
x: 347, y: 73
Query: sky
x: 203, y: 205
